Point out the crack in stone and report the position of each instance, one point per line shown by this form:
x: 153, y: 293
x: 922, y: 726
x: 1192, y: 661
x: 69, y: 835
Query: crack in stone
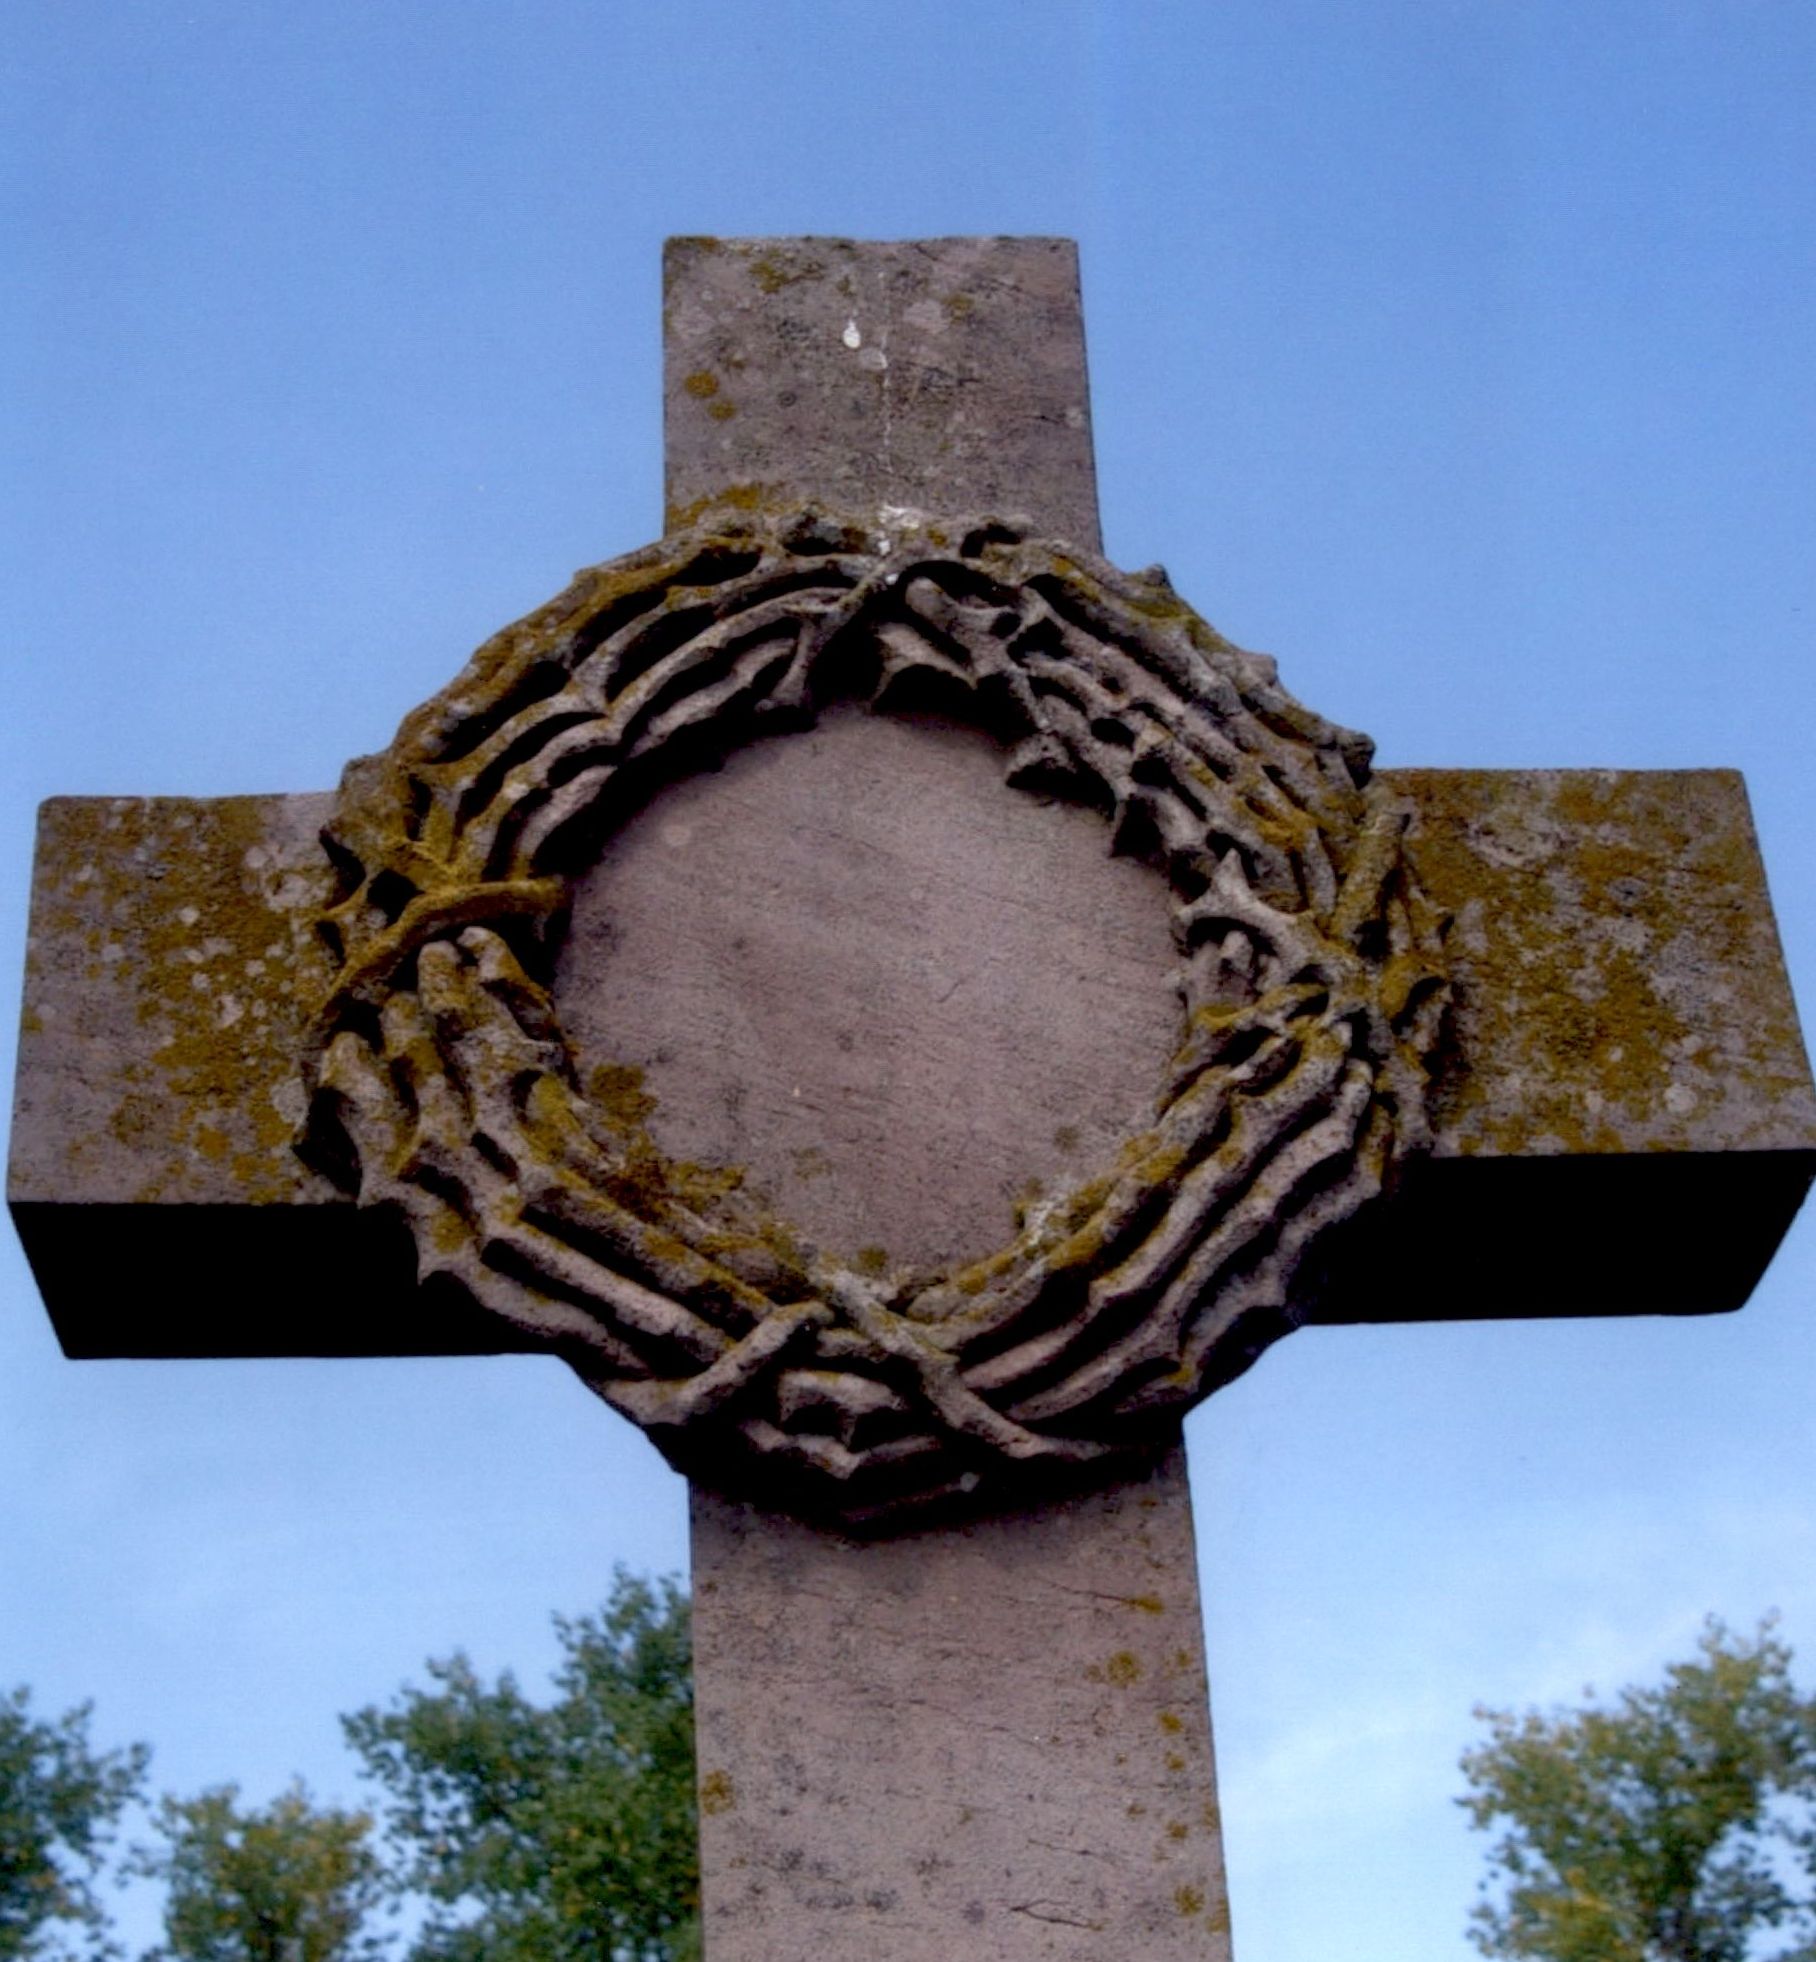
x: 1056, y: 1912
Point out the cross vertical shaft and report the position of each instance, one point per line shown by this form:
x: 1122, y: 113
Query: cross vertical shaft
x: 982, y: 1742
x: 995, y: 1740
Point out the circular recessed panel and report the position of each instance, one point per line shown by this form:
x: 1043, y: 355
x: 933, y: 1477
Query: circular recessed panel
x: 905, y: 998
x: 443, y: 1087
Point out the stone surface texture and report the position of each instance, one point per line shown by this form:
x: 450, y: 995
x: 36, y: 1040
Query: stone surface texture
x: 988, y: 1742
x: 171, y: 961
x: 934, y: 375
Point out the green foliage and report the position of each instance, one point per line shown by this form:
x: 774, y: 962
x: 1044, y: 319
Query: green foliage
x: 291, y: 1883
x: 1672, y: 1827
x: 563, y: 1833
x: 59, y: 1801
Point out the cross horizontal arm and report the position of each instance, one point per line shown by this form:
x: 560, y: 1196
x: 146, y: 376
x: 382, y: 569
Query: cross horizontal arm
x: 1626, y: 1123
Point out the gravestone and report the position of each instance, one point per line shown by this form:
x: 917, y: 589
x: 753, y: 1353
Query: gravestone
x: 687, y: 993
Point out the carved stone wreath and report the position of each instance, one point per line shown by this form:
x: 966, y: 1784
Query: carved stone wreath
x: 441, y: 1086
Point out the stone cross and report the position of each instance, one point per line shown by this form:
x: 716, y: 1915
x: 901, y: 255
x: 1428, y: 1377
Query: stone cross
x: 949, y: 1661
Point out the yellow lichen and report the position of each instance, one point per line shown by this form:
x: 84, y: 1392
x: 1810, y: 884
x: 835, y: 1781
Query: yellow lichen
x: 1575, y: 1023
x: 201, y: 920
x: 772, y: 275
x: 617, y: 1092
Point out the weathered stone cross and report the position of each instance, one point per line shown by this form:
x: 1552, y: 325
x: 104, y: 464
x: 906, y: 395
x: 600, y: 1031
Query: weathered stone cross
x: 907, y: 1001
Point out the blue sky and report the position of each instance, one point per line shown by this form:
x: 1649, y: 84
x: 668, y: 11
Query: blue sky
x: 1459, y: 354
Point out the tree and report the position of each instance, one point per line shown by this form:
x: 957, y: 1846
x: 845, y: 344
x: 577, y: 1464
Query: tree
x: 563, y: 1833
x: 59, y: 1803
x: 1673, y: 1827
x: 291, y: 1883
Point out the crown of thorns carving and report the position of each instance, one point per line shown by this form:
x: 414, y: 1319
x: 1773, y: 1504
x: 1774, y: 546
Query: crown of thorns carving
x: 441, y: 1085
